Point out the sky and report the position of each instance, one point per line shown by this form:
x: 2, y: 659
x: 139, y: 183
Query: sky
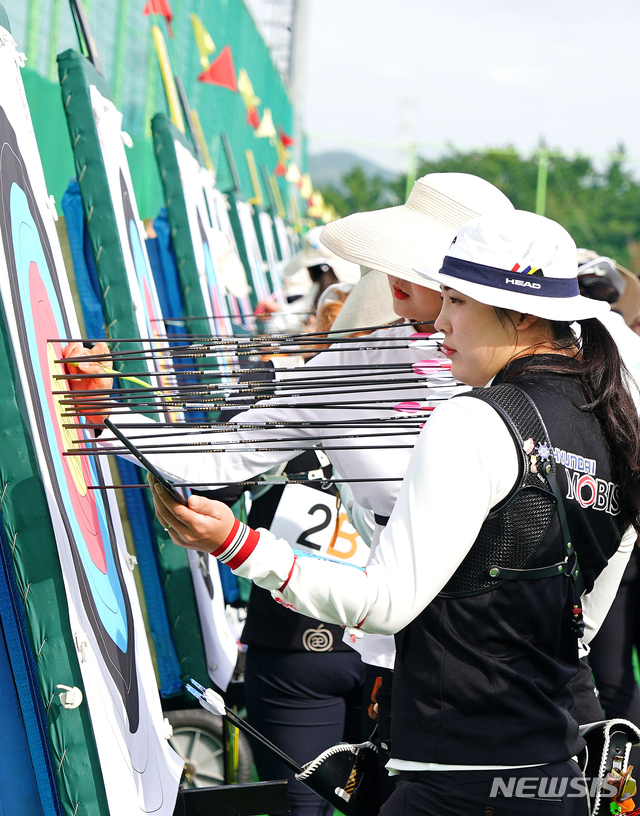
x: 381, y: 73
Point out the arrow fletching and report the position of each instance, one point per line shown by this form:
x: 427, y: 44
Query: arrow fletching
x: 428, y: 368
x: 207, y: 698
x: 410, y: 407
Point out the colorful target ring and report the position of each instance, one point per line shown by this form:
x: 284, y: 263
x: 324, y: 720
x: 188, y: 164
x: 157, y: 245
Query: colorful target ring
x: 41, y: 317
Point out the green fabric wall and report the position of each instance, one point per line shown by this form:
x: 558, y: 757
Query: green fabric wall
x: 43, y: 28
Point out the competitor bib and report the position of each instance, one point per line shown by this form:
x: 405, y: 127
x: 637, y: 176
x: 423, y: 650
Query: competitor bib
x: 309, y: 520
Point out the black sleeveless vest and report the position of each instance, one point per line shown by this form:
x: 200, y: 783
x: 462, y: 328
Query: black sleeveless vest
x: 481, y: 675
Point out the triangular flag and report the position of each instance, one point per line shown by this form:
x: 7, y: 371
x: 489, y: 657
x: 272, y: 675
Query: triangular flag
x: 280, y: 169
x: 266, y: 129
x: 246, y: 90
x: 221, y: 71
x: 253, y: 117
x: 286, y: 140
x: 317, y: 206
x: 162, y: 8
x: 204, y: 43
x: 294, y: 176
x: 306, y: 188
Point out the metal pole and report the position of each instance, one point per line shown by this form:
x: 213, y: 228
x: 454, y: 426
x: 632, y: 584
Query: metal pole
x: 33, y: 32
x: 296, y: 76
x: 541, y: 187
x: 121, y: 52
x: 412, y: 167
x: 56, y: 17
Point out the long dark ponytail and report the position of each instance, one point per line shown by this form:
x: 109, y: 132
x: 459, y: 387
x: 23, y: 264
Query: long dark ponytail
x: 607, y: 386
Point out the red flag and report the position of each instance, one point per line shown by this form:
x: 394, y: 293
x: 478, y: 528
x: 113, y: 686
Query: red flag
x: 286, y: 140
x: 280, y: 169
x: 221, y: 71
x: 162, y: 8
x: 253, y: 117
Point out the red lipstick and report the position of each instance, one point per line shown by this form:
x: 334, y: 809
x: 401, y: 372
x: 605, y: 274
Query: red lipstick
x: 399, y: 294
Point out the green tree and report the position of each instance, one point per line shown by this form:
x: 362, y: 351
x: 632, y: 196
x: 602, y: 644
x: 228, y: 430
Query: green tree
x: 600, y: 207
x: 359, y: 193
x: 513, y: 174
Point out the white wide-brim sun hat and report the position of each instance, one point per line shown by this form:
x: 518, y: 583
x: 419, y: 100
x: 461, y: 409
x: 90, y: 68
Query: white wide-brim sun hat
x: 396, y: 239
x: 518, y: 261
x: 314, y: 252
x: 370, y: 304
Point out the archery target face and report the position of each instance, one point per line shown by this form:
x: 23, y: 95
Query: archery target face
x: 142, y: 288
x: 266, y: 228
x: 192, y: 191
x: 201, y: 229
x: 283, y: 237
x: 258, y: 274
x: 219, y: 209
x: 220, y: 646
x: 140, y: 771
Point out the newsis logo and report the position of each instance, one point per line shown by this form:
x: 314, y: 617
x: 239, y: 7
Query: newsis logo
x: 531, y: 787
x: 529, y: 283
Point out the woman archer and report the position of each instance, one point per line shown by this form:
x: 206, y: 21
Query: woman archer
x: 510, y: 533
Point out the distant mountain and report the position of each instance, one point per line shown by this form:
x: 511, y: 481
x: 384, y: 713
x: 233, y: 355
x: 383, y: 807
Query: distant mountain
x: 328, y: 168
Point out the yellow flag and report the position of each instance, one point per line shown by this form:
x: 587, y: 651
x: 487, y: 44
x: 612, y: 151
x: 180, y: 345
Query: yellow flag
x: 294, y: 176
x: 278, y: 197
x: 199, y: 135
x: 253, y: 175
x: 295, y: 213
x: 204, y: 43
x: 175, y: 108
x: 246, y: 90
x: 266, y: 129
x: 306, y: 189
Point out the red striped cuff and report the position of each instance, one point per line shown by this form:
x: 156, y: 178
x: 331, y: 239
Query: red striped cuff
x: 239, y: 545
x: 284, y: 586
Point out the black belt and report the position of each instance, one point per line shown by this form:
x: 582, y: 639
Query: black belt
x: 381, y: 520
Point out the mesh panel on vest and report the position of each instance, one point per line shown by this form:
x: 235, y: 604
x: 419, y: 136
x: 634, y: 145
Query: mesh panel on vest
x: 514, y: 530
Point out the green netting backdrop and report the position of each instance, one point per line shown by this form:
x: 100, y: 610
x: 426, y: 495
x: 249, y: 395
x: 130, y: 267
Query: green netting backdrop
x: 44, y: 28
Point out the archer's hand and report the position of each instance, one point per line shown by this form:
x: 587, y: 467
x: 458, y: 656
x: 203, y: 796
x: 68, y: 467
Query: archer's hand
x: 96, y: 368
x: 204, y: 525
x: 267, y: 307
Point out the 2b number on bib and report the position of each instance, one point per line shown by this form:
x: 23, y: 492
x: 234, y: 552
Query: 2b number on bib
x: 316, y: 526
x: 343, y: 534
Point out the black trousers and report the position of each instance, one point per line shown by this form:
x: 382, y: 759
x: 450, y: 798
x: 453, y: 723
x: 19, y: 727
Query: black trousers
x: 547, y: 790
x: 304, y: 702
